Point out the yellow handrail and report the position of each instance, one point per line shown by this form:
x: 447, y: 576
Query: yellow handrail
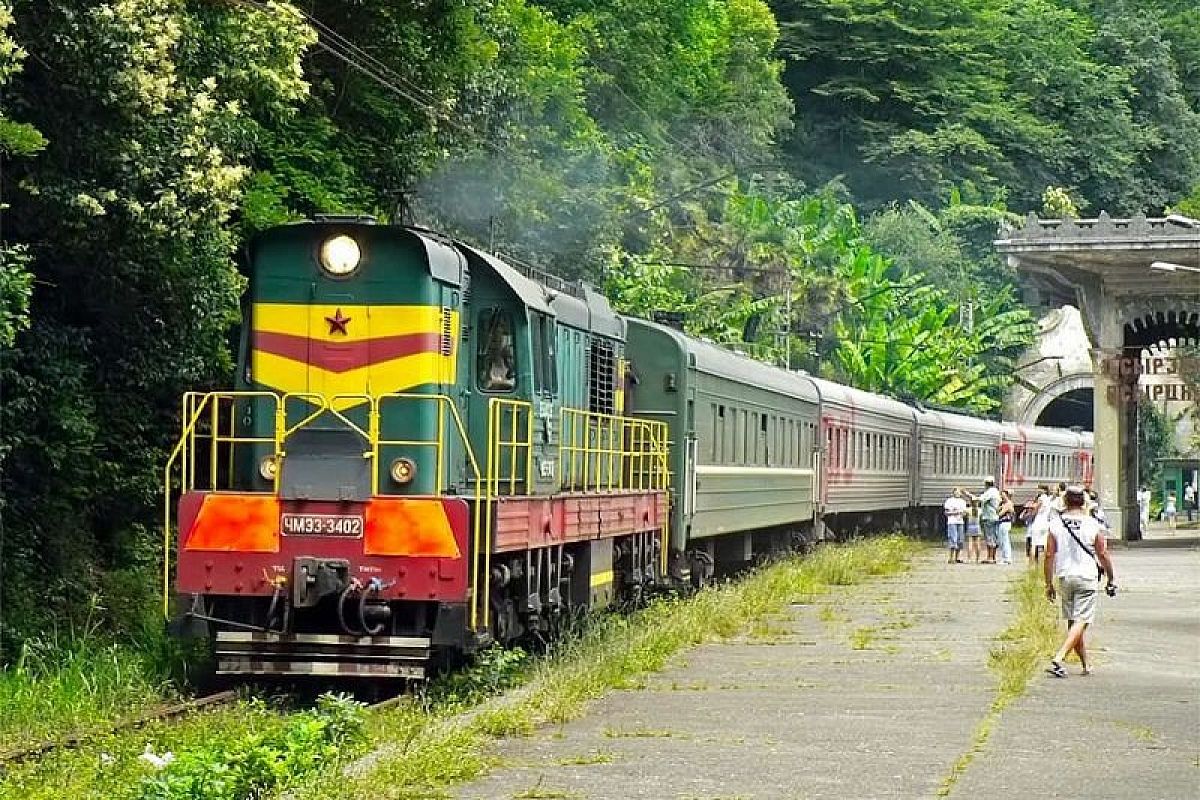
x: 193, y: 407
x: 481, y: 553
x: 611, y: 452
x: 614, y: 452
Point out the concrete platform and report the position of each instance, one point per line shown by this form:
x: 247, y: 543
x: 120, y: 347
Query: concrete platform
x: 876, y: 691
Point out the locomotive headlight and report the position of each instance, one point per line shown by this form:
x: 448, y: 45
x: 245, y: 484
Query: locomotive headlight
x: 340, y: 255
x: 268, y: 468
x: 403, y: 470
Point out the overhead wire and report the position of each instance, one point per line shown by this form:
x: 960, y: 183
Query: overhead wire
x: 357, y: 58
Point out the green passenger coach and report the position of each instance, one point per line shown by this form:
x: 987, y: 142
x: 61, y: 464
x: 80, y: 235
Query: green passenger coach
x: 746, y: 445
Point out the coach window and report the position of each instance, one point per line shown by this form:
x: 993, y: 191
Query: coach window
x: 496, y: 357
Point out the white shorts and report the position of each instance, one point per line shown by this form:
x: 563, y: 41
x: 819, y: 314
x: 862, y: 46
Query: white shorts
x: 1078, y: 596
x: 1038, y: 532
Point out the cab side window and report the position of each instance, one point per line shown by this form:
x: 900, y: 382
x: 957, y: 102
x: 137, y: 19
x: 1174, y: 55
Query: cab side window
x: 495, y: 360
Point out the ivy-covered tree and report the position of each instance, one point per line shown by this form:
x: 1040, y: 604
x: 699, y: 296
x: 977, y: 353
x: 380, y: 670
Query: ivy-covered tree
x: 127, y: 214
x: 909, y: 99
x: 17, y: 140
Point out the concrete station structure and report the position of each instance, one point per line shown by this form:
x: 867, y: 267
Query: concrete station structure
x: 1136, y: 284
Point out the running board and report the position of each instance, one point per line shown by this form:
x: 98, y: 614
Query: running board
x: 327, y: 655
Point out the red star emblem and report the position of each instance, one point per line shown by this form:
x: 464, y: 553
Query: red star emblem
x: 337, y: 323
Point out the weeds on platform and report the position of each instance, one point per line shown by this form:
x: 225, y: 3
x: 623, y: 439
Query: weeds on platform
x: 425, y: 749
x: 1019, y: 652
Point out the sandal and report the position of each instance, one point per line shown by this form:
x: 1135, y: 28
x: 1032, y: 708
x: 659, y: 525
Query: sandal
x: 1056, y: 669
x: 1086, y: 671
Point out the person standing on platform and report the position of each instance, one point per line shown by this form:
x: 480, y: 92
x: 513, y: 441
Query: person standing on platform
x: 1143, y: 502
x: 1040, y: 527
x: 989, y: 517
x: 1074, y: 550
x: 955, y: 509
x: 1169, y: 510
x: 1058, y: 501
x: 1189, y: 500
x: 974, y: 534
x: 1008, y: 512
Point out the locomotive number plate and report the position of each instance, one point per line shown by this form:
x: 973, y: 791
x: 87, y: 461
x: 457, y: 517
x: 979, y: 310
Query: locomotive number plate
x: 322, y: 525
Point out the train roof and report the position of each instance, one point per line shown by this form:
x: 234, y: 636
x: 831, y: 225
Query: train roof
x: 960, y: 422
x: 1064, y: 437
x: 860, y: 400
x: 577, y: 305
x: 715, y: 360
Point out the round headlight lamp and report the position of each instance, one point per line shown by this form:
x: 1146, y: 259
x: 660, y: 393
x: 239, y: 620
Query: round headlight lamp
x: 340, y: 255
x: 268, y: 468
x: 403, y: 470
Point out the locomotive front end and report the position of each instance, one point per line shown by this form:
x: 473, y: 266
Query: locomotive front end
x: 325, y: 507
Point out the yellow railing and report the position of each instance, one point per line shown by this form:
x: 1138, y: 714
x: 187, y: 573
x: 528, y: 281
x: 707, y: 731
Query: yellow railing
x: 482, y: 550
x: 510, y: 446
x: 604, y: 452
x: 596, y: 452
x: 202, y: 425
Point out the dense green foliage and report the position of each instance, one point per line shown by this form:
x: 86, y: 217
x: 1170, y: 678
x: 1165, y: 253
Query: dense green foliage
x: 1156, y: 439
x: 910, y: 98
x: 681, y: 152
x: 260, y: 763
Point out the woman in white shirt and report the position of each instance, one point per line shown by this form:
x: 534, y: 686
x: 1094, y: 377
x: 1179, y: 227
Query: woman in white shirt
x: 1040, y: 527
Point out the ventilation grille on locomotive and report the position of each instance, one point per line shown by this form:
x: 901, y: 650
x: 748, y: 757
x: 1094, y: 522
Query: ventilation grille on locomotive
x: 447, y: 343
x: 602, y: 373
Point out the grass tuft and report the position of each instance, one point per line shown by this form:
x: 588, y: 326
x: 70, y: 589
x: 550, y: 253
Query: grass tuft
x: 861, y: 638
x: 586, y: 760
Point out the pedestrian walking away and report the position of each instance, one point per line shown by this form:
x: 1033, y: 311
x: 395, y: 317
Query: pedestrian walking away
x: 1076, y: 553
x: 1169, y: 509
x: 955, y: 509
x: 1008, y: 512
x: 989, y: 517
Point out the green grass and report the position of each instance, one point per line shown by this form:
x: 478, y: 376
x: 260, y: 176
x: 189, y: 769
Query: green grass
x: 68, y: 683
x: 421, y: 746
x: 641, y: 733
x: 109, y: 767
x: 425, y: 750
x: 1141, y: 733
x: 861, y: 638
x: 538, y: 793
x: 829, y: 614
x: 586, y: 760
x: 1019, y: 652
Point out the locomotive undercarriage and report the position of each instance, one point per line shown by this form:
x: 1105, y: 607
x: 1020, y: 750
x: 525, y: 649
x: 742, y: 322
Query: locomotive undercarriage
x: 536, y: 592
x: 329, y: 624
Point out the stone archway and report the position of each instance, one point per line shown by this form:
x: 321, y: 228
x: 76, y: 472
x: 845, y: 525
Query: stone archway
x: 1106, y: 268
x: 1055, y: 392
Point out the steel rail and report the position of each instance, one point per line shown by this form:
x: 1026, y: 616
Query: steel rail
x: 17, y: 755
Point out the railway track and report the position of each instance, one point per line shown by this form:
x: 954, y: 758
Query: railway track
x: 17, y: 755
